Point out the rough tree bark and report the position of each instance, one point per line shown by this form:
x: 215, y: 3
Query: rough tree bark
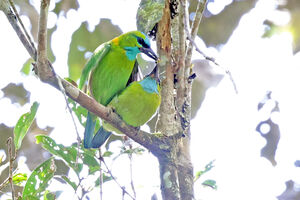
x: 171, y: 147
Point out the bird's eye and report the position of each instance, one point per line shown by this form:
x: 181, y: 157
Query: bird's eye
x: 142, y: 42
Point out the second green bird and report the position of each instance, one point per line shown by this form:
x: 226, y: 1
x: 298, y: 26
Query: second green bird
x: 136, y: 104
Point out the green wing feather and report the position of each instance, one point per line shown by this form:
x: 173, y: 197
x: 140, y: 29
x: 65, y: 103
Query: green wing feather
x: 93, y: 62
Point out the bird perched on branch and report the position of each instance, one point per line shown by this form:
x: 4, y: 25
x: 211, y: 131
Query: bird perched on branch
x: 108, y: 71
x: 136, y: 104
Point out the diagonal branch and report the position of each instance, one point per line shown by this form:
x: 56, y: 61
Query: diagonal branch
x: 47, y: 75
x: 21, y: 23
x: 4, y: 6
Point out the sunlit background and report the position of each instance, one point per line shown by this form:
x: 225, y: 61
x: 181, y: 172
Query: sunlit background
x: 224, y: 129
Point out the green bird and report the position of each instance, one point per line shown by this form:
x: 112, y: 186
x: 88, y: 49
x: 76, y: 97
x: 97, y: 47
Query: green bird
x: 136, y: 104
x: 108, y: 71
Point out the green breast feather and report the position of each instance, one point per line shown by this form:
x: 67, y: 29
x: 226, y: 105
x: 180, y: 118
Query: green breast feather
x: 111, y: 75
x: 137, y: 103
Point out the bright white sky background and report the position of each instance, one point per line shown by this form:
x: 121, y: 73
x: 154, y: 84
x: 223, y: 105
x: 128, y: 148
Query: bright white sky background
x: 224, y: 128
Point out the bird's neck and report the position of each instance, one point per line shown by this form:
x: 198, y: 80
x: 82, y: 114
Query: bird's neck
x: 149, y: 85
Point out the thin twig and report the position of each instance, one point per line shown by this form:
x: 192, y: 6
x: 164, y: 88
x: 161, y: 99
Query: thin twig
x: 5, y: 7
x: 131, y: 171
x: 101, y: 175
x: 21, y: 23
x: 11, y: 162
x: 194, y: 30
x: 232, y: 80
x: 201, y: 52
x: 214, y: 61
x: 62, y: 89
x: 121, y: 187
x: 5, y: 182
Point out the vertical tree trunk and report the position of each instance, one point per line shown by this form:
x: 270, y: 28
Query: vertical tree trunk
x: 176, y: 169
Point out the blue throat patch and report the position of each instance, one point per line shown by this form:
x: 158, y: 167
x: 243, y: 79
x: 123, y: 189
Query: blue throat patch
x: 131, y: 52
x: 149, y: 85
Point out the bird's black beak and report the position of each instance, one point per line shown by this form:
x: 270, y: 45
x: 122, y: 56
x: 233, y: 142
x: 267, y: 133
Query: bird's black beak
x: 149, y: 52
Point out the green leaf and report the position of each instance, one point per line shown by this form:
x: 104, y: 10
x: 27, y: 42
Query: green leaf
x: 105, y: 179
x: 149, y: 13
x: 19, y: 178
x: 71, y: 183
x: 91, y: 162
x: 80, y: 112
x: 23, y: 125
x: 107, y: 154
x: 210, y: 183
x: 49, y: 196
x: 39, y: 180
x: 26, y: 69
x: 68, y: 154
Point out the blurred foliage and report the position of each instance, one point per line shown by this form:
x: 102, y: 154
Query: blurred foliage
x: 50, y: 53
x: 291, y: 192
x: 269, y: 129
x: 28, y: 10
x: 293, y: 7
x: 148, y: 14
x: 216, y: 29
x: 16, y: 93
x: 23, y: 125
x: 64, y: 6
x: 85, y: 41
x: 206, y: 77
